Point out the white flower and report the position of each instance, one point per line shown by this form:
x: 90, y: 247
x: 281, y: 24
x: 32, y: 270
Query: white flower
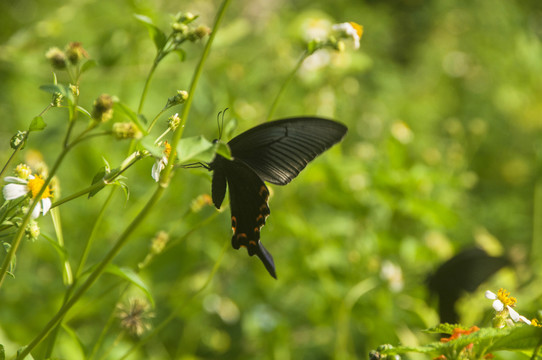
x: 18, y: 187
x: 502, y: 301
x: 351, y: 30
x: 161, y: 163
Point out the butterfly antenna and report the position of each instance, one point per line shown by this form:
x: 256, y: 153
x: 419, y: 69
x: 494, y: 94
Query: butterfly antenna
x: 195, y: 165
x: 220, y: 122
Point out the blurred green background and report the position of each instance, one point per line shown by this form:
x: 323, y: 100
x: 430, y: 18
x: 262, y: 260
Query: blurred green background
x: 443, y: 104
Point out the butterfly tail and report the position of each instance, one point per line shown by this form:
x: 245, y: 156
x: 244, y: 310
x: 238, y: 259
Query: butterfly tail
x: 266, y: 259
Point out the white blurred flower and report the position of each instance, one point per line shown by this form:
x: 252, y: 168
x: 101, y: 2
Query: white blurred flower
x: 161, y: 163
x: 350, y: 30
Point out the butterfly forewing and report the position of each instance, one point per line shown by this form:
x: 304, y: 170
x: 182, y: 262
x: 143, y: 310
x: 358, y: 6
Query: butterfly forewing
x: 277, y: 151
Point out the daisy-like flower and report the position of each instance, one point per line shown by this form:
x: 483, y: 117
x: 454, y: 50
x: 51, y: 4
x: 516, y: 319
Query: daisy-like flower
x: 21, y: 186
x: 161, y: 163
x: 350, y: 30
x: 503, y: 304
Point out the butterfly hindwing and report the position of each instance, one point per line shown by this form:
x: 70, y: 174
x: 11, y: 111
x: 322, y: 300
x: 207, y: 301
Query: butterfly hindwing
x: 275, y: 152
x: 278, y: 150
x: 248, y: 204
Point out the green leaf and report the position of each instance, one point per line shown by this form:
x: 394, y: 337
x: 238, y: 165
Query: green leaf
x: 75, y: 338
x: 223, y: 149
x: 148, y: 143
x: 37, y: 124
x: 131, y: 276
x: 98, y: 178
x: 157, y: 36
x: 181, y: 53
x: 89, y: 64
x: 123, y: 109
x: 58, y: 88
x: 2, y: 352
x: 196, y: 148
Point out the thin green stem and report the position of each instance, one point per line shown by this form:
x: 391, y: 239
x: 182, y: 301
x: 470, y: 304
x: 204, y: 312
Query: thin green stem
x: 146, y: 87
x: 92, y: 235
x: 14, y: 153
x: 186, y: 108
x: 285, y: 84
x: 26, y: 219
x: 182, y: 305
x: 123, y: 238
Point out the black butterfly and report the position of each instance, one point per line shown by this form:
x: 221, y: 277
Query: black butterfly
x: 275, y: 152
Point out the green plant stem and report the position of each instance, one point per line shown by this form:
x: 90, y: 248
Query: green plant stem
x: 123, y: 238
x: 197, y: 74
x: 146, y: 86
x: 105, y: 181
x: 182, y: 305
x: 26, y: 219
x: 285, y: 84
x: 100, y: 267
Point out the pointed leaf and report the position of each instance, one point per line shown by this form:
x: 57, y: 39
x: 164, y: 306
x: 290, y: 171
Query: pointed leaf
x: 37, y: 124
x: 157, y: 36
x: 123, y: 109
x: 89, y: 64
x: 196, y: 148
x: 131, y: 276
x: 151, y: 147
x: 223, y: 149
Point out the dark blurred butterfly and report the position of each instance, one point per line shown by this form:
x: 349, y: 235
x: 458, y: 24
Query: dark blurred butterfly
x: 462, y: 273
x: 275, y: 152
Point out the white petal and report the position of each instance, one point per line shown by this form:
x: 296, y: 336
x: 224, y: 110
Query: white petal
x: 490, y: 295
x: 524, y: 319
x: 498, y: 305
x: 14, y: 191
x: 155, y: 172
x: 513, y: 314
x: 37, y: 210
x: 46, y: 205
x: 15, y: 180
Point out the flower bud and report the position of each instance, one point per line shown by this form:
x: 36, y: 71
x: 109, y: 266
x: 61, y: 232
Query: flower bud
x: 126, y: 130
x: 103, y: 108
x: 75, y: 52
x: 56, y: 57
x: 173, y: 122
x: 32, y: 230
x: 23, y: 171
x: 18, y: 140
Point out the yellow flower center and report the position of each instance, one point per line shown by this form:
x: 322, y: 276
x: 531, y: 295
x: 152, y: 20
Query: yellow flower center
x: 357, y: 27
x: 167, y: 149
x: 505, y: 298
x: 34, y: 185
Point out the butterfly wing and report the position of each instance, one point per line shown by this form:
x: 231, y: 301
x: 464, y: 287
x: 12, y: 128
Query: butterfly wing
x: 278, y: 150
x: 248, y: 203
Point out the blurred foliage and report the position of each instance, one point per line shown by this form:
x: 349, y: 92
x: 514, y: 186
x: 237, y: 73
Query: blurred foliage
x: 443, y: 152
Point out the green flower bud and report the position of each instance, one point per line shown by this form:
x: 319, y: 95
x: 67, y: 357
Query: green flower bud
x: 18, y: 140
x: 57, y: 58
x: 103, y: 108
